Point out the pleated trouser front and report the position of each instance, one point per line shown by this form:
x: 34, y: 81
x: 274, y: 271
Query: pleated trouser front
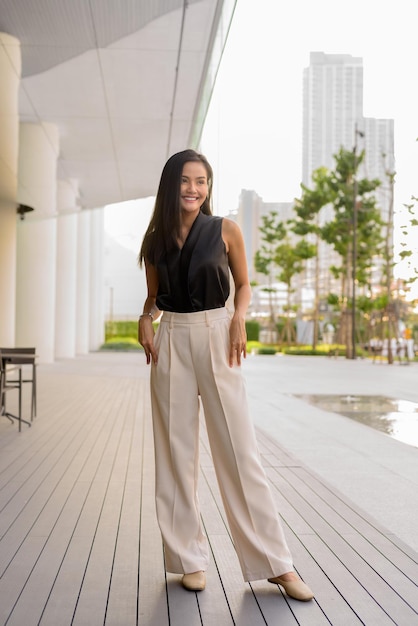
x: 193, y: 359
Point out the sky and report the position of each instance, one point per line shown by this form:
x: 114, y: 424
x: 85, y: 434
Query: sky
x: 253, y: 131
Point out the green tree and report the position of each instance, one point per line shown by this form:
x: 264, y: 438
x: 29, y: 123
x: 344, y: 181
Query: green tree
x: 272, y: 231
x: 363, y: 214
x: 290, y: 260
x: 281, y: 258
x: 354, y: 231
x: 306, y: 223
x: 388, y: 268
x: 406, y: 255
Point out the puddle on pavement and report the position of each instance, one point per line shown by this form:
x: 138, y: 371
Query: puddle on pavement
x: 397, y: 418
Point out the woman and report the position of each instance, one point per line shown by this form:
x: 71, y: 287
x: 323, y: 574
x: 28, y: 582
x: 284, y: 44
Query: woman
x: 197, y: 351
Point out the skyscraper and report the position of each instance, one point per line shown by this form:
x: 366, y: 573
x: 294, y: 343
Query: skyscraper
x: 250, y: 211
x: 332, y: 105
x: 332, y: 109
x: 332, y: 119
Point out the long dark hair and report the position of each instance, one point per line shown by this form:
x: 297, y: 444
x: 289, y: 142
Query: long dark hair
x: 164, y: 227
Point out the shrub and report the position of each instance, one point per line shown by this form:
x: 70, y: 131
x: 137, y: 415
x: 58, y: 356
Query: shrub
x: 253, y: 346
x: 321, y: 350
x: 267, y: 350
x: 121, y: 344
x: 124, y: 330
x: 121, y: 329
x: 253, y: 330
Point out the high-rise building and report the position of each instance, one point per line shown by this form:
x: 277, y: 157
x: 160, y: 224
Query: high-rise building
x: 332, y: 119
x: 332, y: 105
x: 378, y: 143
x: 248, y: 218
x: 251, y: 208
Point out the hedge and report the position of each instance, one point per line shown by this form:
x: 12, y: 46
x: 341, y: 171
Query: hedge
x: 267, y: 350
x: 121, y: 343
x: 121, y: 329
x: 253, y: 330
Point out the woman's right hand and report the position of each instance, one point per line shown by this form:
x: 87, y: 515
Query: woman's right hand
x: 146, y: 338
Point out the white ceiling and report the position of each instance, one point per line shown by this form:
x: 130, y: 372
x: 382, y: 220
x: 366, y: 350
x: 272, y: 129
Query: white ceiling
x: 120, y: 78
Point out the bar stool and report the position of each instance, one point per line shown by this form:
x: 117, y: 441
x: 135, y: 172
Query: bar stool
x: 18, y: 357
x: 6, y: 386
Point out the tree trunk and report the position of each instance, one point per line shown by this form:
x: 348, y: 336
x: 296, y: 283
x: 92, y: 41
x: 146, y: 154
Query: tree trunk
x: 316, y: 303
x: 348, y: 321
x: 388, y: 254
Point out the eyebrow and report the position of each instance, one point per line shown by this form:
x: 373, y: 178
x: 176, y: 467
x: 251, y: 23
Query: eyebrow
x: 198, y: 177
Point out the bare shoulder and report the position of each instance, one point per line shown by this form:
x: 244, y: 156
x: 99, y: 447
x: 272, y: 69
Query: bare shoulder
x: 231, y: 232
x: 229, y: 226
x: 234, y: 243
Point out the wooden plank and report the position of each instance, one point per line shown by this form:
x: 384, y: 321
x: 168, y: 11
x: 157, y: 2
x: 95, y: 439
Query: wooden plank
x: 14, y: 579
x: 27, y: 459
x: 379, y: 561
x: 225, y: 585
x: 34, y: 510
x: 400, y: 554
x: 337, y: 591
x: 123, y: 593
x: 319, y: 576
x: 279, y: 610
x: 183, y: 605
x: 37, y: 587
x: 57, y: 576
x: 404, y: 587
x: 403, y: 556
x: 80, y: 541
x: 92, y: 600
x: 64, y: 590
x: 153, y: 608
x: 392, y: 603
x: 264, y: 602
x: 358, y: 564
x: 242, y: 603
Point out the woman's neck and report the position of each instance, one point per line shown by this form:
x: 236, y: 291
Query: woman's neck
x: 188, y: 217
x: 186, y: 222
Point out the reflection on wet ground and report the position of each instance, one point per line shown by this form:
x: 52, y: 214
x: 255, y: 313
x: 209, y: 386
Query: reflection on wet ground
x: 397, y: 418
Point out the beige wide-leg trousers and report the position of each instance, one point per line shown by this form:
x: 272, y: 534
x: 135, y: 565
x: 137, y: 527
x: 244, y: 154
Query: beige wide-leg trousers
x: 193, y: 359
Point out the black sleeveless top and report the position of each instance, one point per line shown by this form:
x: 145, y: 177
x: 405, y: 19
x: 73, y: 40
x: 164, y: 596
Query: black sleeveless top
x: 195, y: 277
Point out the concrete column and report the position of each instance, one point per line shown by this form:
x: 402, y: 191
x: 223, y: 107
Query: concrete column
x: 96, y: 334
x: 10, y: 70
x: 83, y: 283
x: 66, y: 282
x: 36, y: 251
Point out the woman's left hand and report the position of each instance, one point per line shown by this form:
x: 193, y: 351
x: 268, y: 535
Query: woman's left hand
x: 146, y: 339
x: 237, y: 340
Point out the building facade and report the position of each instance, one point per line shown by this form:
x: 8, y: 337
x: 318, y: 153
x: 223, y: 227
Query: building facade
x: 332, y: 104
x: 251, y: 208
x: 333, y: 118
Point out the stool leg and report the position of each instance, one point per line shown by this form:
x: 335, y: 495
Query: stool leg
x: 33, y: 408
x: 20, y: 399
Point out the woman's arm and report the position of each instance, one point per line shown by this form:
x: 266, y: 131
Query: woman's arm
x: 150, y: 313
x: 234, y: 242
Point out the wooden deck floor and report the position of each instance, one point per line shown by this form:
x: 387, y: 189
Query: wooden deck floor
x: 79, y: 542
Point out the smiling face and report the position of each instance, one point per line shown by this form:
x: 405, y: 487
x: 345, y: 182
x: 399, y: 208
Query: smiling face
x: 193, y: 186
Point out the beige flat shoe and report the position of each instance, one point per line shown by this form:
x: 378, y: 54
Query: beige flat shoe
x: 296, y: 589
x: 194, y: 582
